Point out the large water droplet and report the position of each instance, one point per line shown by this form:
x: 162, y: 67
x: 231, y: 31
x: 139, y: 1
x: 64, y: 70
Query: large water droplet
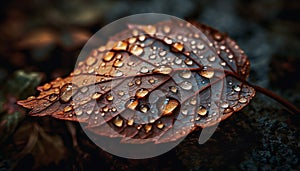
x: 243, y: 100
x: 211, y: 58
x: 177, y: 47
x: 207, y: 72
x: 186, y: 74
x: 148, y: 128
x: 202, y: 111
x: 162, y: 70
x: 132, y: 104
x: 224, y: 105
x: 144, y: 108
x: 144, y: 70
x: 188, y: 62
x: 169, y: 106
x: 173, y: 89
x: 160, y: 125
x: 236, y: 88
x: 96, y: 95
x: 108, y: 56
x: 66, y: 92
x: 130, y: 122
x: 118, y: 63
x: 120, y: 45
x: 186, y: 85
x: 118, y: 122
x: 141, y: 93
x: 109, y: 97
x: 136, y: 50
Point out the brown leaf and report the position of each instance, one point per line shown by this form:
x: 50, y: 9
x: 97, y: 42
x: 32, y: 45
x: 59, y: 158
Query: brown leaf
x: 154, y: 86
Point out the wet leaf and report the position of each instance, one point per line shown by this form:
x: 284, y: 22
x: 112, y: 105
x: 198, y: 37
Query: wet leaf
x: 158, y: 85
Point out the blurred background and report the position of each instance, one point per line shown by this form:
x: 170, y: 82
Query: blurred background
x: 41, y: 40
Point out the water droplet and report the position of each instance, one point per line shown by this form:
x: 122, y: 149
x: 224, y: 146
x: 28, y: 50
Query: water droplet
x: 222, y: 47
x: 217, y: 36
x: 162, y: 70
x: 108, y: 56
x: 236, y: 88
x: 151, y: 81
x: 167, y: 29
x: 118, y: 73
x: 177, y: 47
x: 68, y: 109
x: 132, y: 104
x: 109, y: 97
x: 118, y: 122
x: 186, y: 85
x: 243, y: 100
x: 141, y: 93
x: 91, y: 70
x: 149, y: 29
x: 142, y: 38
x: 78, y: 112
x: 223, y: 63
x: 228, y: 110
x: 66, y: 92
x: 207, y: 72
x: 46, y: 86
x: 130, y: 84
x: 148, y: 128
x: 90, y: 61
x: 162, y: 53
x: 169, y: 106
x: 152, y: 57
x: 167, y: 40
x: 178, y: 61
x: 202, y: 111
x: 96, y: 95
x: 136, y: 50
x: 144, y: 70
x: 193, y: 101
x: 160, y: 125
x: 118, y: 63
x: 53, y: 97
x: 224, y: 105
x: 211, y: 58
x: 186, y: 74
x: 135, y: 32
x: 76, y: 72
x: 89, y: 111
x: 200, y: 46
x: 130, y: 122
x: 113, y: 109
x: 173, y: 89
x: 144, y: 108
x: 120, y: 45
x: 121, y: 93
x: 105, y: 109
x: 188, y: 62
x: 138, y: 82
x: 132, y: 40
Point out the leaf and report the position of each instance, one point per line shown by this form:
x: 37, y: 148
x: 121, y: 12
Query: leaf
x: 19, y: 84
x: 154, y: 83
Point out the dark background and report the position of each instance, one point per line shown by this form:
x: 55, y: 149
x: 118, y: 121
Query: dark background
x: 41, y: 40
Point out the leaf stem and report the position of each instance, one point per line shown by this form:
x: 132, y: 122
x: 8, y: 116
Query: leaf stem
x: 292, y: 108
